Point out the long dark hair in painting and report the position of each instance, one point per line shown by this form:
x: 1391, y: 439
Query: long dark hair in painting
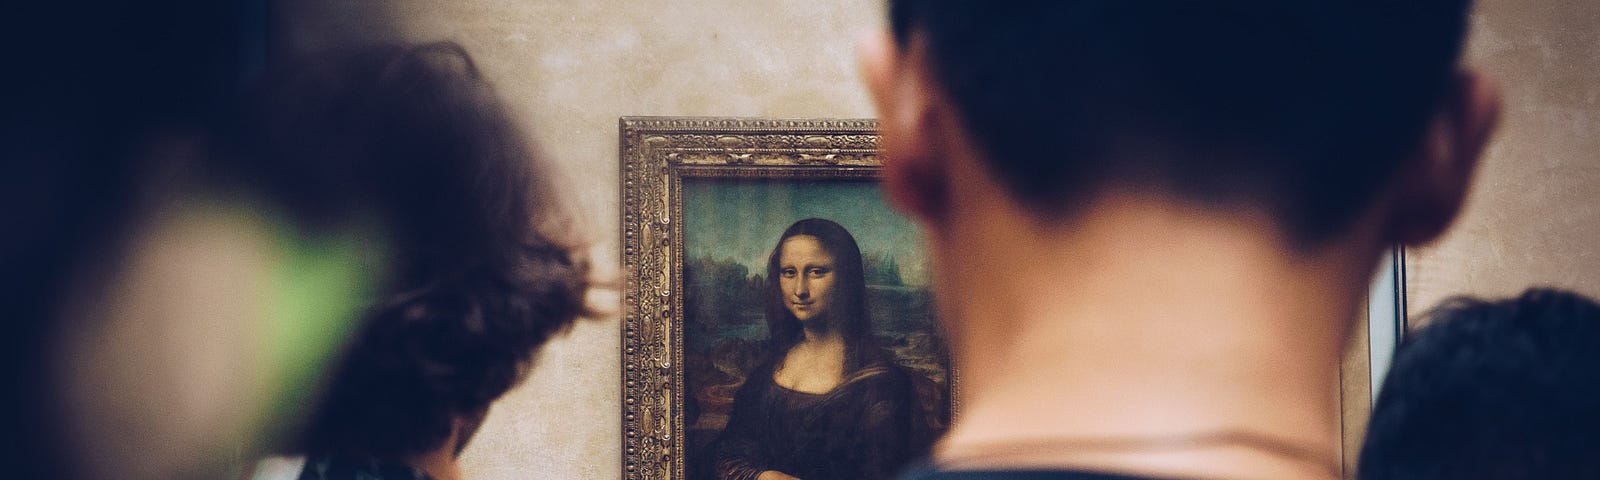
x: 849, y: 315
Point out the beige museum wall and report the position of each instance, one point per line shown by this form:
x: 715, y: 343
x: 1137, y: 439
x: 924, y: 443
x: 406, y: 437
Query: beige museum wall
x: 570, y: 68
x: 1534, y: 215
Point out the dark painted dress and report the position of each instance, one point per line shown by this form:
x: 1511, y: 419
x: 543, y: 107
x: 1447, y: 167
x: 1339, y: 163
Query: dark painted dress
x: 867, y: 428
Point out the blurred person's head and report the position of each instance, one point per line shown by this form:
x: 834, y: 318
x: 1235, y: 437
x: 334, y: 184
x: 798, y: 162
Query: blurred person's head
x: 1311, y: 113
x: 1506, y: 389
x: 354, y: 233
x: 175, y: 286
x: 1199, y: 189
x: 411, y: 143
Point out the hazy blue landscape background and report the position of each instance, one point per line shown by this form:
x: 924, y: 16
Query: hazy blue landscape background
x: 739, y: 221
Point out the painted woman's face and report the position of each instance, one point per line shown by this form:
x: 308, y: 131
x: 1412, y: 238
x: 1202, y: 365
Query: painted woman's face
x: 806, y: 276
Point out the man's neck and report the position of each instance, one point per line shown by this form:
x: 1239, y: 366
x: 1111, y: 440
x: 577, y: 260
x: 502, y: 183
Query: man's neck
x: 1146, y: 337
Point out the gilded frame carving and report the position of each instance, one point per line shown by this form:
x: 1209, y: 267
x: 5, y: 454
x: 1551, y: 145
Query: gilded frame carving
x: 657, y: 154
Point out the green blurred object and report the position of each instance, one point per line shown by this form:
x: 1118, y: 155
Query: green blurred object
x: 320, y: 286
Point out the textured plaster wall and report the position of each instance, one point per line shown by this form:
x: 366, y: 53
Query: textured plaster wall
x: 569, y: 69
x: 1534, y: 214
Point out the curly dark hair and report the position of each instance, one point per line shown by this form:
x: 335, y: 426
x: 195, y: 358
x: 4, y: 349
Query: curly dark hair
x: 414, y: 138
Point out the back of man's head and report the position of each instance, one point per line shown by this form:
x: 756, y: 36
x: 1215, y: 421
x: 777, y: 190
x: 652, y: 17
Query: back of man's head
x: 1303, y: 108
x: 1507, y: 389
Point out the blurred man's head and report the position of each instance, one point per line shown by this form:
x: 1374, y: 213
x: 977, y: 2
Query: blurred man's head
x: 1507, y: 389
x: 1308, y: 112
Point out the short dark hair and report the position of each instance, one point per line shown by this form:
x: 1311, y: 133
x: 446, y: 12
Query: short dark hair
x: 1305, y: 108
x: 850, y: 314
x: 414, y: 140
x: 1507, y: 389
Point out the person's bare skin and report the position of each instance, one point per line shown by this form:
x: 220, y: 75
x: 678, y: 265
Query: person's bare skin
x: 1147, y: 335
x: 439, y: 464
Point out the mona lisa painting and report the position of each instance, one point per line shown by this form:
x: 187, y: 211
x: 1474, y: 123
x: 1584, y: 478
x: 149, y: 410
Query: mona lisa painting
x: 778, y: 319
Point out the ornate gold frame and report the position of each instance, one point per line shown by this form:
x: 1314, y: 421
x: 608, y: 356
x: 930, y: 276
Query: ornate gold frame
x: 657, y: 154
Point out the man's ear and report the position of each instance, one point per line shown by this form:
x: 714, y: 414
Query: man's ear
x: 901, y: 86
x: 1434, y: 186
